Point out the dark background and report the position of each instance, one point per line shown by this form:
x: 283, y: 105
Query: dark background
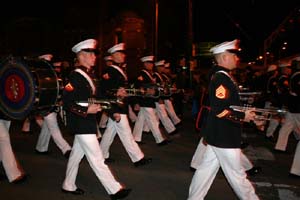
x: 32, y: 27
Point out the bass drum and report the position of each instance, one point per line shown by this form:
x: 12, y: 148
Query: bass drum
x: 26, y: 86
x: 295, y: 84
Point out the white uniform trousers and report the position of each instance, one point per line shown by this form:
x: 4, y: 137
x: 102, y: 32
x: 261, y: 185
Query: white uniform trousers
x: 147, y: 116
x: 124, y: 132
x: 50, y: 129
x: 272, y: 127
x: 171, y: 112
x: 230, y: 162
x: 88, y: 145
x: 291, y: 123
x: 164, y: 118
x: 295, y: 168
x: 10, y: 164
x: 132, y: 116
x: 26, y: 124
x: 198, y: 156
x: 103, y: 120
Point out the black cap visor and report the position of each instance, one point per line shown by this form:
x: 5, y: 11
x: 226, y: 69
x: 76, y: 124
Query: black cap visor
x: 235, y: 51
x: 90, y: 50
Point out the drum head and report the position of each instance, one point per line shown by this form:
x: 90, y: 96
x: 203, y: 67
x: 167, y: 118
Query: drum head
x: 17, y: 94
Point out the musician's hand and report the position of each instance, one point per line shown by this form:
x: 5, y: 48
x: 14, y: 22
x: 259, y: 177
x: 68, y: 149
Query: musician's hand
x: 121, y: 92
x: 150, y: 91
x: 259, y: 122
x: 136, y: 107
x: 204, y: 142
x: 160, y: 101
x: 94, y: 108
x: 117, y: 117
x: 249, y: 115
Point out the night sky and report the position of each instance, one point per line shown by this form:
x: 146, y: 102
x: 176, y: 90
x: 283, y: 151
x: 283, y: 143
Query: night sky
x: 252, y: 21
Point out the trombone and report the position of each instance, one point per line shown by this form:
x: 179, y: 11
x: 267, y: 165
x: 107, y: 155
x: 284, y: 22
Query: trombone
x: 262, y: 113
x: 105, y: 103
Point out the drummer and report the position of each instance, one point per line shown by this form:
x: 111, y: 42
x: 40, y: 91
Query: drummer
x: 11, y: 166
x: 50, y: 128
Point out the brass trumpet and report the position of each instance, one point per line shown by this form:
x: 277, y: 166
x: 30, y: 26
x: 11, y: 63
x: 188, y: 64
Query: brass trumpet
x: 148, y: 92
x: 168, y: 91
x: 105, y: 103
x: 249, y: 93
x: 249, y: 96
x: 263, y: 113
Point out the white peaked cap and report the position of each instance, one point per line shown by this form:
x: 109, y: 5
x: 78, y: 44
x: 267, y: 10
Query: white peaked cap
x: 88, y: 44
x: 147, y: 59
x: 272, y: 68
x: 220, y: 48
x: 47, y: 57
x: 107, y: 58
x: 117, y: 47
x: 160, y: 63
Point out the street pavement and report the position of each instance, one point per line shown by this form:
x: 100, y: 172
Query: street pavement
x: 167, y: 178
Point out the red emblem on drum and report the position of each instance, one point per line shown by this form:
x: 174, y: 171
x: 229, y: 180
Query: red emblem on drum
x: 69, y: 87
x: 14, y: 88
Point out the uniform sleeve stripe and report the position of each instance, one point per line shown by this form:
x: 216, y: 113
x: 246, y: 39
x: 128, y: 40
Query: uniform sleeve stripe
x: 223, y: 113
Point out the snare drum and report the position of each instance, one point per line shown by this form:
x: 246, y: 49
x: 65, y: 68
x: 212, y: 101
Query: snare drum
x: 26, y: 86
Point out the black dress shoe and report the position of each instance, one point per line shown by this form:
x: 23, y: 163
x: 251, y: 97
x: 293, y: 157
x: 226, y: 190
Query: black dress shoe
x: 67, y: 154
x: 294, y: 176
x: 109, y: 160
x: 140, y: 142
x: 41, y: 152
x: 78, y: 191
x: 121, y: 194
x: 280, y: 151
x: 174, y: 132
x: 20, y: 179
x: 178, y: 125
x: 163, y: 143
x: 143, y: 161
x: 253, y: 171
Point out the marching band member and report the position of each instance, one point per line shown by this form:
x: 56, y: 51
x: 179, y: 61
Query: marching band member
x: 83, y: 123
x: 147, y: 116
x: 292, y: 117
x: 282, y: 87
x: 116, y: 78
x: 12, y: 167
x: 168, y: 103
x: 222, y: 132
x: 159, y: 103
x: 50, y: 128
x: 104, y: 117
x: 294, y: 123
